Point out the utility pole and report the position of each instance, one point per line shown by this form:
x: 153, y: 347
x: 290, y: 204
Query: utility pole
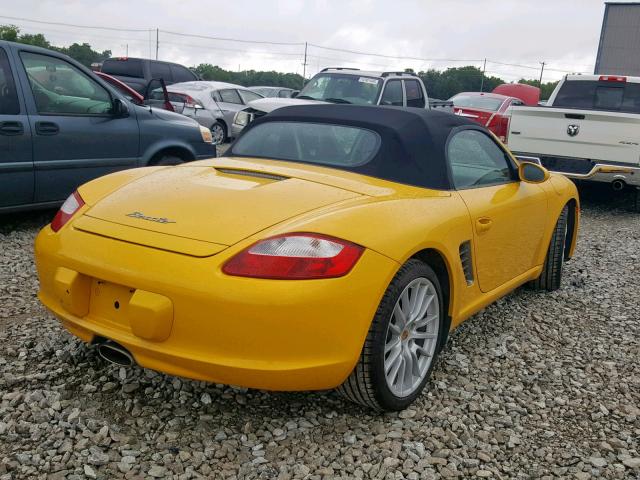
x: 304, y: 65
x: 541, y: 72
x: 484, y: 68
x: 127, y: 49
x: 157, y: 41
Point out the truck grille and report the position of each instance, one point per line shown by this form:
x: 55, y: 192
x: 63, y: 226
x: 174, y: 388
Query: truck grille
x: 567, y: 165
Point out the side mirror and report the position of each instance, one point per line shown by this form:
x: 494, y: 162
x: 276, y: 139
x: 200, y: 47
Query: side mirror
x: 532, y: 173
x: 119, y: 109
x: 295, y: 94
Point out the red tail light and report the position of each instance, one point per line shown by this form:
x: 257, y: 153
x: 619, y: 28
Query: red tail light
x: 295, y: 256
x: 612, y: 78
x: 189, y: 101
x: 500, y: 126
x: 68, y: 209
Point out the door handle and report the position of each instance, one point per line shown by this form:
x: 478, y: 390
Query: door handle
x: 47, y: 128
x: 11, y: 129
x: 483, y: 224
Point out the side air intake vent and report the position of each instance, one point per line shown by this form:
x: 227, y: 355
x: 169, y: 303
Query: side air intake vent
x: 250, y: 173
x: 467, y: 261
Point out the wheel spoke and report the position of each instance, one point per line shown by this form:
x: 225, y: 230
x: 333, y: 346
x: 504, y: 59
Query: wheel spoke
x: 399, y: 315
x: 418, y: 301
x: 391, y: 362
x: 401, y: 373
x: 391, y: 345
x: 414, y: 362
x: 424, y: 306
x: 422, y: 335
x: 424, y: 321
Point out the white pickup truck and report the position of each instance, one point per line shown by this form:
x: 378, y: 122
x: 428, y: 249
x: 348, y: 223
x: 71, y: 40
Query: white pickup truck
x: 351, y: 86
x: 589, y: 130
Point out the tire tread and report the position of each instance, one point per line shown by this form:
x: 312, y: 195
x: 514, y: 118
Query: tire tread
x: 551, y: 275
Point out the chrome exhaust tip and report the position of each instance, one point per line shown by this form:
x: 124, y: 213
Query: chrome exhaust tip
x: 618, y: 185
x: 115, y: 353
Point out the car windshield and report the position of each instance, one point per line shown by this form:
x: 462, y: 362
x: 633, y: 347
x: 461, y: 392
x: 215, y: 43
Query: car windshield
x: 318, y: 143
x: 341, y: 88
x: 477, y: 101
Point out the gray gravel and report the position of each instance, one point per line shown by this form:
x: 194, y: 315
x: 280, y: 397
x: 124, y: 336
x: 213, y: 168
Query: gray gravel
x: 536, y: 386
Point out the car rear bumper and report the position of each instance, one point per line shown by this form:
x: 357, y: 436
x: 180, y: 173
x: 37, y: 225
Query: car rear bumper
x: 584, y: 169
x: 181, y: 315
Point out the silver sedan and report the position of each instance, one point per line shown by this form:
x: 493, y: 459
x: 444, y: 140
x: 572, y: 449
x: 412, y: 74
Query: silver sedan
x: 212, y: 104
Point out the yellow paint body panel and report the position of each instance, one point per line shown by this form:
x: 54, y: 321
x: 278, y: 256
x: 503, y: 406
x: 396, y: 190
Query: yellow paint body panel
x: 178, y: 313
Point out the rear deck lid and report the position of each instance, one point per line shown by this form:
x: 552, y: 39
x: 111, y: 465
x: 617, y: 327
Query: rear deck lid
x: 215, y: 206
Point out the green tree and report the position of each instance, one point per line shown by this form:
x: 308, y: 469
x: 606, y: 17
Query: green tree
x: 9, y: 33
x: 447, y: 83
x: 545, y: 89
x: 83, y: 53
x: 249, y: 77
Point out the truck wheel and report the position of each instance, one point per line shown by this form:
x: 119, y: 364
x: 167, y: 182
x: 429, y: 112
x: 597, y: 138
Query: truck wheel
x: 219, y: 133
x: 168, y: 160
x: 551, y: 275
x: 402, y: 344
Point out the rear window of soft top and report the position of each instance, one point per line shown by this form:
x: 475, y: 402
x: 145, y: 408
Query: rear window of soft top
x: 317, y: 143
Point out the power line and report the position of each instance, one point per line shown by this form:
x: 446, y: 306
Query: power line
x: 206, y: 47
x: 369, y: 54
x: 74, y: 25
x: 265, y: 42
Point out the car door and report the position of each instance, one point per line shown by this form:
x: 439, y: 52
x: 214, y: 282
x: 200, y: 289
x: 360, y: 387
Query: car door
x: 229, y: 102
x: 393, y: 94
x: 75, y: 136
x: 413, y: 94
x: 16, y: 161
x: 508, y: 216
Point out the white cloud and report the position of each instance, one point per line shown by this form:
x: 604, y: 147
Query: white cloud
x: 563, y: 33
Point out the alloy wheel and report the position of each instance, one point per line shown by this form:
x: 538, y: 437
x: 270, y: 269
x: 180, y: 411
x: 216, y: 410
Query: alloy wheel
x: 412, y: 337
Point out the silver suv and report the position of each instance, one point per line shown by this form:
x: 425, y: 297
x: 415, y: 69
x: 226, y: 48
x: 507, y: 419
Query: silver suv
x: 347, y: 85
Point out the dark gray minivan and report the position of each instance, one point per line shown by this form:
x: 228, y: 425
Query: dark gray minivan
x: 61, y: 126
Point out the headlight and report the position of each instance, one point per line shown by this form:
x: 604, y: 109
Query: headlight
x: 206, y: 134
x: 242, y: 119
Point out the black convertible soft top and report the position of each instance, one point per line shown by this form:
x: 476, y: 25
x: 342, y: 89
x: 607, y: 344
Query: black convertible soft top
x: 413, y: 140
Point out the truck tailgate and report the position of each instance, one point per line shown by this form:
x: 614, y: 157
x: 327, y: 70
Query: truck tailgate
x: 600, y: 136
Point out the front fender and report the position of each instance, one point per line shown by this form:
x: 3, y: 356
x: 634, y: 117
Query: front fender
x: 170, y: 144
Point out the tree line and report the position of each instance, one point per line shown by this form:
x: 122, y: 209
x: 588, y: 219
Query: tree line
x: 439, y: 84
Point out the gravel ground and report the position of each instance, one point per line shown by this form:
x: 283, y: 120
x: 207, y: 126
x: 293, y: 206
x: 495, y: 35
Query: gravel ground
x: 535, y: 386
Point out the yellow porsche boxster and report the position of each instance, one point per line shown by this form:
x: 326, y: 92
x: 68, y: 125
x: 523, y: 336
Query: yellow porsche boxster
x: 334, y: 246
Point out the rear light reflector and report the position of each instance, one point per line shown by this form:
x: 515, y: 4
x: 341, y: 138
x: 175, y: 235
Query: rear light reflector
x: 612, y: 78
x: 295, y: 256
x: 68, y: 209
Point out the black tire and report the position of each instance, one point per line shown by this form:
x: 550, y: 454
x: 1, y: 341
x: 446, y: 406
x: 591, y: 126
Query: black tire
x: 219, y: 130
x: 367, y: 384
x: 551, y: 275
x: 168, y: 160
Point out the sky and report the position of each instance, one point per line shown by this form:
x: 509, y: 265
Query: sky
x: 434, y: 33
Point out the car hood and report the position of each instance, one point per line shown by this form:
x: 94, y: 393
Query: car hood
x: 168, y: 116
x: 208, y: 207
x: 270, y: 104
